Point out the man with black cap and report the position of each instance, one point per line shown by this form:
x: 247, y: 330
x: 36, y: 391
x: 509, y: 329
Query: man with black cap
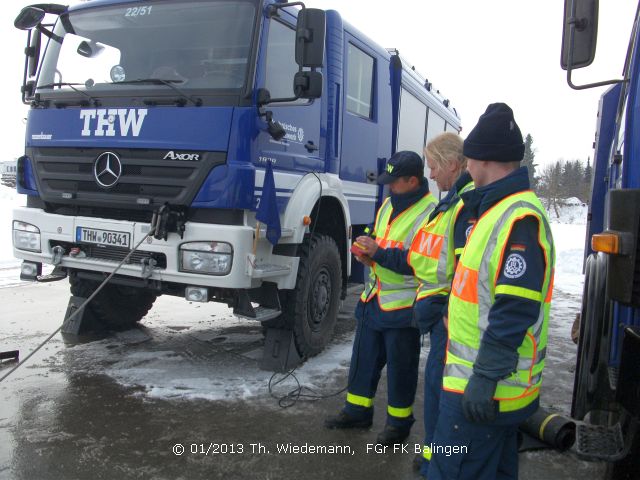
x: 384, y: 330
x: 498, y: 311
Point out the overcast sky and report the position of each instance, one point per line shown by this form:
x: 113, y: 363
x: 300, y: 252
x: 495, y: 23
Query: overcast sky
x: 475, y: 52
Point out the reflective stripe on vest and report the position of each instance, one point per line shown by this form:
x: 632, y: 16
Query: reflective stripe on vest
x: 396, y: 291
x: 473, y: 293
x: 432, y: 255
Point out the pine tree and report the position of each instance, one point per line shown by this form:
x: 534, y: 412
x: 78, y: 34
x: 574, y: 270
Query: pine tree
x: 527, y: 161
x: 586, y: 191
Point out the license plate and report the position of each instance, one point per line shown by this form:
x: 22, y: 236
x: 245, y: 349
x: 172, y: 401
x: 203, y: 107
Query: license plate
x: 103, y: 237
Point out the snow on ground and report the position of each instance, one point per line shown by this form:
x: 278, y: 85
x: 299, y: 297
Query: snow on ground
x: 570, y: 211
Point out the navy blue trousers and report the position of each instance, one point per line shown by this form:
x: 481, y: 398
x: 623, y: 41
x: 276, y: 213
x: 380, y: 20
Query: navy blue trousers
x: 433, y: 385
x: 373, y: 348
x: 462, y: 450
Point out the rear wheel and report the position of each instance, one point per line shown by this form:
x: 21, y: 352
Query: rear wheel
x: 311, y: 309
x: 116, y: 307
x: 592, y: 390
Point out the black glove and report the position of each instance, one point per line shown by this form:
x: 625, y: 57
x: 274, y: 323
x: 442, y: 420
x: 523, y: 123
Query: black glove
x: 478, y: 404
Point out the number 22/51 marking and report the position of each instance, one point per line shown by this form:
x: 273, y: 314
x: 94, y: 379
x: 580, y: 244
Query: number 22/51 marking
x: 138, y: 11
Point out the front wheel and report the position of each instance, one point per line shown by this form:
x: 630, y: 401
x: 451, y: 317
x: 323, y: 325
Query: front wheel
x: 116, y: 307
x: 311, y: 309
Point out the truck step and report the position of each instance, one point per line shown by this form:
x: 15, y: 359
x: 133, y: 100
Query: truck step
x: 262, y: 314
x: 266, y: 270
x: 56, y: 274
x: 599, y: 441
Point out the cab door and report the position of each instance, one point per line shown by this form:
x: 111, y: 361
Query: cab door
x: 300, y: 151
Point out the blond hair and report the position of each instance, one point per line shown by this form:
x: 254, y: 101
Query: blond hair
x: 446, y: 149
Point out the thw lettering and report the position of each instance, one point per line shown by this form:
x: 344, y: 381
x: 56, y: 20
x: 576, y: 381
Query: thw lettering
x: 101, y: 122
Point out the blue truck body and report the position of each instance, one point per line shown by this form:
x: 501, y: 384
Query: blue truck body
x: 606, y: 393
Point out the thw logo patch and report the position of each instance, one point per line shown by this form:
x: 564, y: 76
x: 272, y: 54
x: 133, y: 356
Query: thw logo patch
x: 515, y: 266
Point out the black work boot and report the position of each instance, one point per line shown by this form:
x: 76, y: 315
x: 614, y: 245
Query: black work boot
x: 392, y: 434
x: 344, y: 420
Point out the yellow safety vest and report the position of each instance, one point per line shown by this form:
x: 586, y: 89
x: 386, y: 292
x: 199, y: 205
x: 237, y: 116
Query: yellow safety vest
x: 432, y: 254
x: 473, y: 293
x: 394, y: 290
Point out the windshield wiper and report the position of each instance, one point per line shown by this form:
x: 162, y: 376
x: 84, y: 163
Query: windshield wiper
x: 72, y: 87
x: 169, y: 83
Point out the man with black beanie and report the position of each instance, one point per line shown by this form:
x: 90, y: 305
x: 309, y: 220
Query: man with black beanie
x: 498, y: 310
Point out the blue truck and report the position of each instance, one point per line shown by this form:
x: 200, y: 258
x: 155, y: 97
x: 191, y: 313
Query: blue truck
x: 606, y: 394
x: 175, y: 114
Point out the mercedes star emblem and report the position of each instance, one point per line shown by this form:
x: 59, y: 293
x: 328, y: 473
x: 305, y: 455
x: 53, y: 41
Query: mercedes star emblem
x: 107, y: 169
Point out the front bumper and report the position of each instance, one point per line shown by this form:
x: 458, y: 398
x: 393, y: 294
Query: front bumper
x: 56, y: 229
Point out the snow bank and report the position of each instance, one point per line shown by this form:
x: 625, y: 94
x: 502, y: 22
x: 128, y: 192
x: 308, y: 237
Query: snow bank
x: 569, y: 242
x: 571, y: 211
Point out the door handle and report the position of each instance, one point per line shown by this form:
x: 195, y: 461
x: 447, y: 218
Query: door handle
x: 311, y: 147
x: 372, y: 176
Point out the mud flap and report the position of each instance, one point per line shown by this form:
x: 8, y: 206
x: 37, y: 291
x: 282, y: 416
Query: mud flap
x: 280, y: 353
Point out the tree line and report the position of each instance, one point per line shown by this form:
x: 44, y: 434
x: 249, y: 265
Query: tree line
x: 556, y: 182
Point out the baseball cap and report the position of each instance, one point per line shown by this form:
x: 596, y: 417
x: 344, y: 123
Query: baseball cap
x: 402, y: 164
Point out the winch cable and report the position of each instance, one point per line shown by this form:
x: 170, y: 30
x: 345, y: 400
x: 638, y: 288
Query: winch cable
x: 152, y: 230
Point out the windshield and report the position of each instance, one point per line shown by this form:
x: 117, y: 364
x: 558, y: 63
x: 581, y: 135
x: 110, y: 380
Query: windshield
x: 193, y: 45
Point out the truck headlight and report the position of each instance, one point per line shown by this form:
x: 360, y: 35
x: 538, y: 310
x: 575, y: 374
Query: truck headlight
x: 26, y: 236
x: 210, y: 258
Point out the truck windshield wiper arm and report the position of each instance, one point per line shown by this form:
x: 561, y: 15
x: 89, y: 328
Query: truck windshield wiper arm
x: 72, y: 87
x: 169, y: 83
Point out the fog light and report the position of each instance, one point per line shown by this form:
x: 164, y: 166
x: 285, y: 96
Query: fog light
x: 30, y: 271
x: 26, y: 236
x: 210, y: 258
x: 197, y: 294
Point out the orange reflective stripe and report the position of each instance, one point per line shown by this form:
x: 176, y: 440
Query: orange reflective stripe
x: 387, y: 243
x: 428, y: 244
x: 550, y: 289
x: 465, y: 284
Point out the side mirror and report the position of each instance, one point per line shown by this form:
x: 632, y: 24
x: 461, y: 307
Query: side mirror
x: 28, y: 18
x: 310, y: 32
x: 307, y: 84
x: 581, y: 26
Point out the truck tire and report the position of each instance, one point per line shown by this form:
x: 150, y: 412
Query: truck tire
x: 311, y: 309
x: 591, y: 390
x: 116, y: 307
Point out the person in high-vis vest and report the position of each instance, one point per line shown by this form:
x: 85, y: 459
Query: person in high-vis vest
x: 384, y: 331
x: 431, y: 259
x: 498, y: 311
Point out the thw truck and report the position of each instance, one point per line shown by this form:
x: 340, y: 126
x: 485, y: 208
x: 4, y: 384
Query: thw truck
x: 163, y: 116
x: 606, y: 391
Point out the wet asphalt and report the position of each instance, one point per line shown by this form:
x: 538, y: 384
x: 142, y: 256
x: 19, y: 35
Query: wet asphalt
x: 66, y: 415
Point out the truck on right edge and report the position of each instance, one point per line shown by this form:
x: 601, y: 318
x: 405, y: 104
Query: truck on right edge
x: 606, y: 393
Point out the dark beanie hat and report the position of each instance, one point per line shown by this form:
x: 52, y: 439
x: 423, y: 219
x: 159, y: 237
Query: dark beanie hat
x: 496, y: 137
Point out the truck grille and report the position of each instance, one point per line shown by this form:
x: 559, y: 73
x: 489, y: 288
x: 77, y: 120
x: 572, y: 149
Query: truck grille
x: 66, y: 176
x: 114, y: 254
